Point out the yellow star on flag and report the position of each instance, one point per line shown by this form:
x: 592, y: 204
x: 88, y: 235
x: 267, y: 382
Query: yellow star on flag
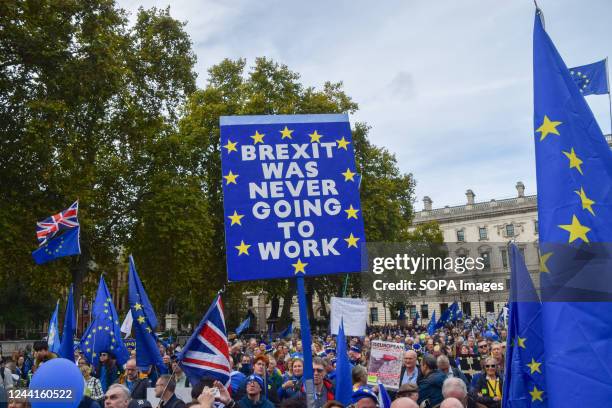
x: 348, y: 175
x: 536, y: 395
x: 230, y: 178
x: 94, y: 354
x: 576, y: 230
x: 149, y: 329
x: 137, y: 306
x: 235, y: 217
x: 548, y: 126
x: 534, y: 366
x: 543, y: 260
x: 286, y: 133
x: 521, y: 342
x: 342, y: 143
x: 299, y: 267
x: 586, y: 201
x: 315, y: 137
x: 141, y: 319
x: 351, y: 241
x: 231, y: 146
x: 574, y: 161
x: 258, y: 137
x: 351, y: 212
x: 242, y: 248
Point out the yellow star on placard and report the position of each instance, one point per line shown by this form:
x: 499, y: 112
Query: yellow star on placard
x: 342, y: 143
x: 286, y: 133
x: 586, y: 201
x: 536, y: 395
x: 242, y: 248
x: 258, y: 137
x: 534, y: 366
x: 351, y: 241
x: 299, y: 267
x: 520, y: 341
x: 137, y: 306
x: 231, y: 146
x: 351, y: 212
x: 576, y: 230
x: 315, y: 137
x: 543, y: 260
x: 548, y: 126
x: 235, y: 217
x: 348, y: 175
x: 230, y: 178
x: 141, y: 319
x: 574, y: 161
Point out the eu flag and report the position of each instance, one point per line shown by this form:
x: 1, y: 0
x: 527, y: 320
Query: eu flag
x: 243, y: 326
x: 67, y: 345
x: 103, y: 334
x: 147, y: 352
x: 431, y: 327
x: 592, y: 78
x: 524, y: 383
x: 53, y: 339
x: 287, y: 332
x: 344, y: 386
x: 574, y: 177
x: 63, y: 245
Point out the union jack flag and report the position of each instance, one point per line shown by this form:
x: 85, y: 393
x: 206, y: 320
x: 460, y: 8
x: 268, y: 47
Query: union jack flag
x: 49, y: 227
x: 206, y: 353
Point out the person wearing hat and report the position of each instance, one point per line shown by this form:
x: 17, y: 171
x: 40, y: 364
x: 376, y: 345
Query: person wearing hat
x: 355, y: 354
x: 254, y: 397
x: 269, y: 391
x: 364, y: 397
x: 408, y: 391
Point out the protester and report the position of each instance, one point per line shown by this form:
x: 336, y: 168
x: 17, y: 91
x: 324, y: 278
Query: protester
x: 364, y: 397
x: 253, y: 397
x: 404, y: 403
x: 489, y: 385
x: 117, y: 396
x: 131, y: 379
x: 450, y: 372
x: 164, y: 390
x: 455, y: 388
x: 410, y: 371
x: 451, y: 403
x: 408, y: 391
x: 42, y: 354
x: 430, y: 385
x: 92, y: 384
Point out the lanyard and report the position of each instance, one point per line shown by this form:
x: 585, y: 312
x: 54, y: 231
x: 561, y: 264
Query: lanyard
x: 493, y: 391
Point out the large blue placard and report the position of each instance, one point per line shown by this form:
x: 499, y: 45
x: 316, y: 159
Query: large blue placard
x: 291, y: 196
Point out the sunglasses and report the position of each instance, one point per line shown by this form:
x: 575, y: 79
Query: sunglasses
x: 490, y: 366
x: 483, y: 346
x: 318, y: 370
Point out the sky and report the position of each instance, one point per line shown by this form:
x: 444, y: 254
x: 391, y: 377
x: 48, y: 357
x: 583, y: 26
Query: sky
x: 445, y: 85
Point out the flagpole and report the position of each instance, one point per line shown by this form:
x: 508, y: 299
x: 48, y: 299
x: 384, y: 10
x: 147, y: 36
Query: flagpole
x: 609, y: 97
x: 306, y: 343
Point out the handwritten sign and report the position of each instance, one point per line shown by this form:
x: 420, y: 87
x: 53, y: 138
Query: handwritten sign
x: 291, y: 196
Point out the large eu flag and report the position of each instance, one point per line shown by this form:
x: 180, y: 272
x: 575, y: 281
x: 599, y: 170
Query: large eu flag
x: 574, y: 176
x: 524, y: 381
x: 66, y: 244
x: 592, y: 78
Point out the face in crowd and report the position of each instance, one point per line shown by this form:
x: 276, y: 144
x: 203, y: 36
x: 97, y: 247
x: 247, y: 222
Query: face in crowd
x: 410, y: 359
x: 116, y: 397
x: 318, y: 373
x: 298, y: 368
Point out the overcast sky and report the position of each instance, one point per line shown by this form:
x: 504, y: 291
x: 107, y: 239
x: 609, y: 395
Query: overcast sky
x: 446, y: 85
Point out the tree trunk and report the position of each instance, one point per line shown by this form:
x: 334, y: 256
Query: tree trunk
x: 323, y: 306
x: 275, y: 305
x: 285, y: 317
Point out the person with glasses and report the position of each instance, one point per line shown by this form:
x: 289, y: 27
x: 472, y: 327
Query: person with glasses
x: 324, y: 389
x: 117, y: 396
x: 489, y: 386
x: 131, y: 379
x: 107, y: 372
x: 254, y: 397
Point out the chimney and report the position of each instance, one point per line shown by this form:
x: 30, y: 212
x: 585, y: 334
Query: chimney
x: 427, y: 203
x: 520, y: 188
x: 470, y: 197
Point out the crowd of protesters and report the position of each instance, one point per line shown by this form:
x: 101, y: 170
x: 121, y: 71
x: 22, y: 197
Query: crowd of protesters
x: 269, y: 374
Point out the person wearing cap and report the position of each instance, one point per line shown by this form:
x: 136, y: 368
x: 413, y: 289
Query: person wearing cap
x: 269, y: 391
x: 364, y: 397
x: 254, y: 397
x: 430, y: 385
x: 408, y: 391
x: 355, y: 354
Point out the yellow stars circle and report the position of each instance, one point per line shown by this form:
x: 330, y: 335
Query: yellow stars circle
x: 231, y: 146
x: 348, y: 175
x: 299, y: 266
x: 286, y: 133
x: 343, y: 143
x: 548, y: 126
x: 576, y: 230
x: 258, y: 137
x: 235, y: 218
x: 520, y: 341
x: 534, y: 366
x: 315, y: 137
x: 137, y: 306
x: 536, y: 395
x: 242, y: 248
x: 351, y: 241
x: 230, y: 178
x: 574, y: 161
x: 351, y: 212
x: 586, y: 201
x: 141, y: 319
x: 543, y: 260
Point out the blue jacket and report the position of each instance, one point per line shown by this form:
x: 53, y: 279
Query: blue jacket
x: 430, y: 387
x: 245, y: 402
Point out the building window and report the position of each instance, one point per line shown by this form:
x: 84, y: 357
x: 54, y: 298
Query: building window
x: 424, y: 312
x: 482, y: 233
x: 507, y: 284
x: 443, y: 308
x: 460, y: 236
x: 466, y: 308
x: 486, y: 260
x: 423, y: 292
x: 443, y: 290
x: 522, y: 251
x: 489, y: 306
x: 510, y: 230
x: 535, y: 226
x: 412, y: 311
x: 250, y: 302
x: 373, y: 314
x: 504, y: 256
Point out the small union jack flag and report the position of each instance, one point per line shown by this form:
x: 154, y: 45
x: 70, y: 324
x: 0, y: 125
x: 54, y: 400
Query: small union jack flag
x: 49, y: 227
x: 206, y: 354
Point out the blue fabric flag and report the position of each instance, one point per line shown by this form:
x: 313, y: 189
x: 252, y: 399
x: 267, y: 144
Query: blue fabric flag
x: 103, y: 334
x: 524, y: 382
x: 243, y: 326
x: 444, y: 318
x: 454, y: 309
x: 63, y: 245
x: 145, y: 322
x: 431, y: 327
x: 344, y: 385
x: 574, y: 178
x: 592, y: 78
x: 287, y: 332
x: 67, y: 345
x: 384, y: 400
x: 53, y: 339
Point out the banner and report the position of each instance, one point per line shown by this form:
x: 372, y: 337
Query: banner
x: 353, y: 311
x: 385, y: 365
x: 291, y: 196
